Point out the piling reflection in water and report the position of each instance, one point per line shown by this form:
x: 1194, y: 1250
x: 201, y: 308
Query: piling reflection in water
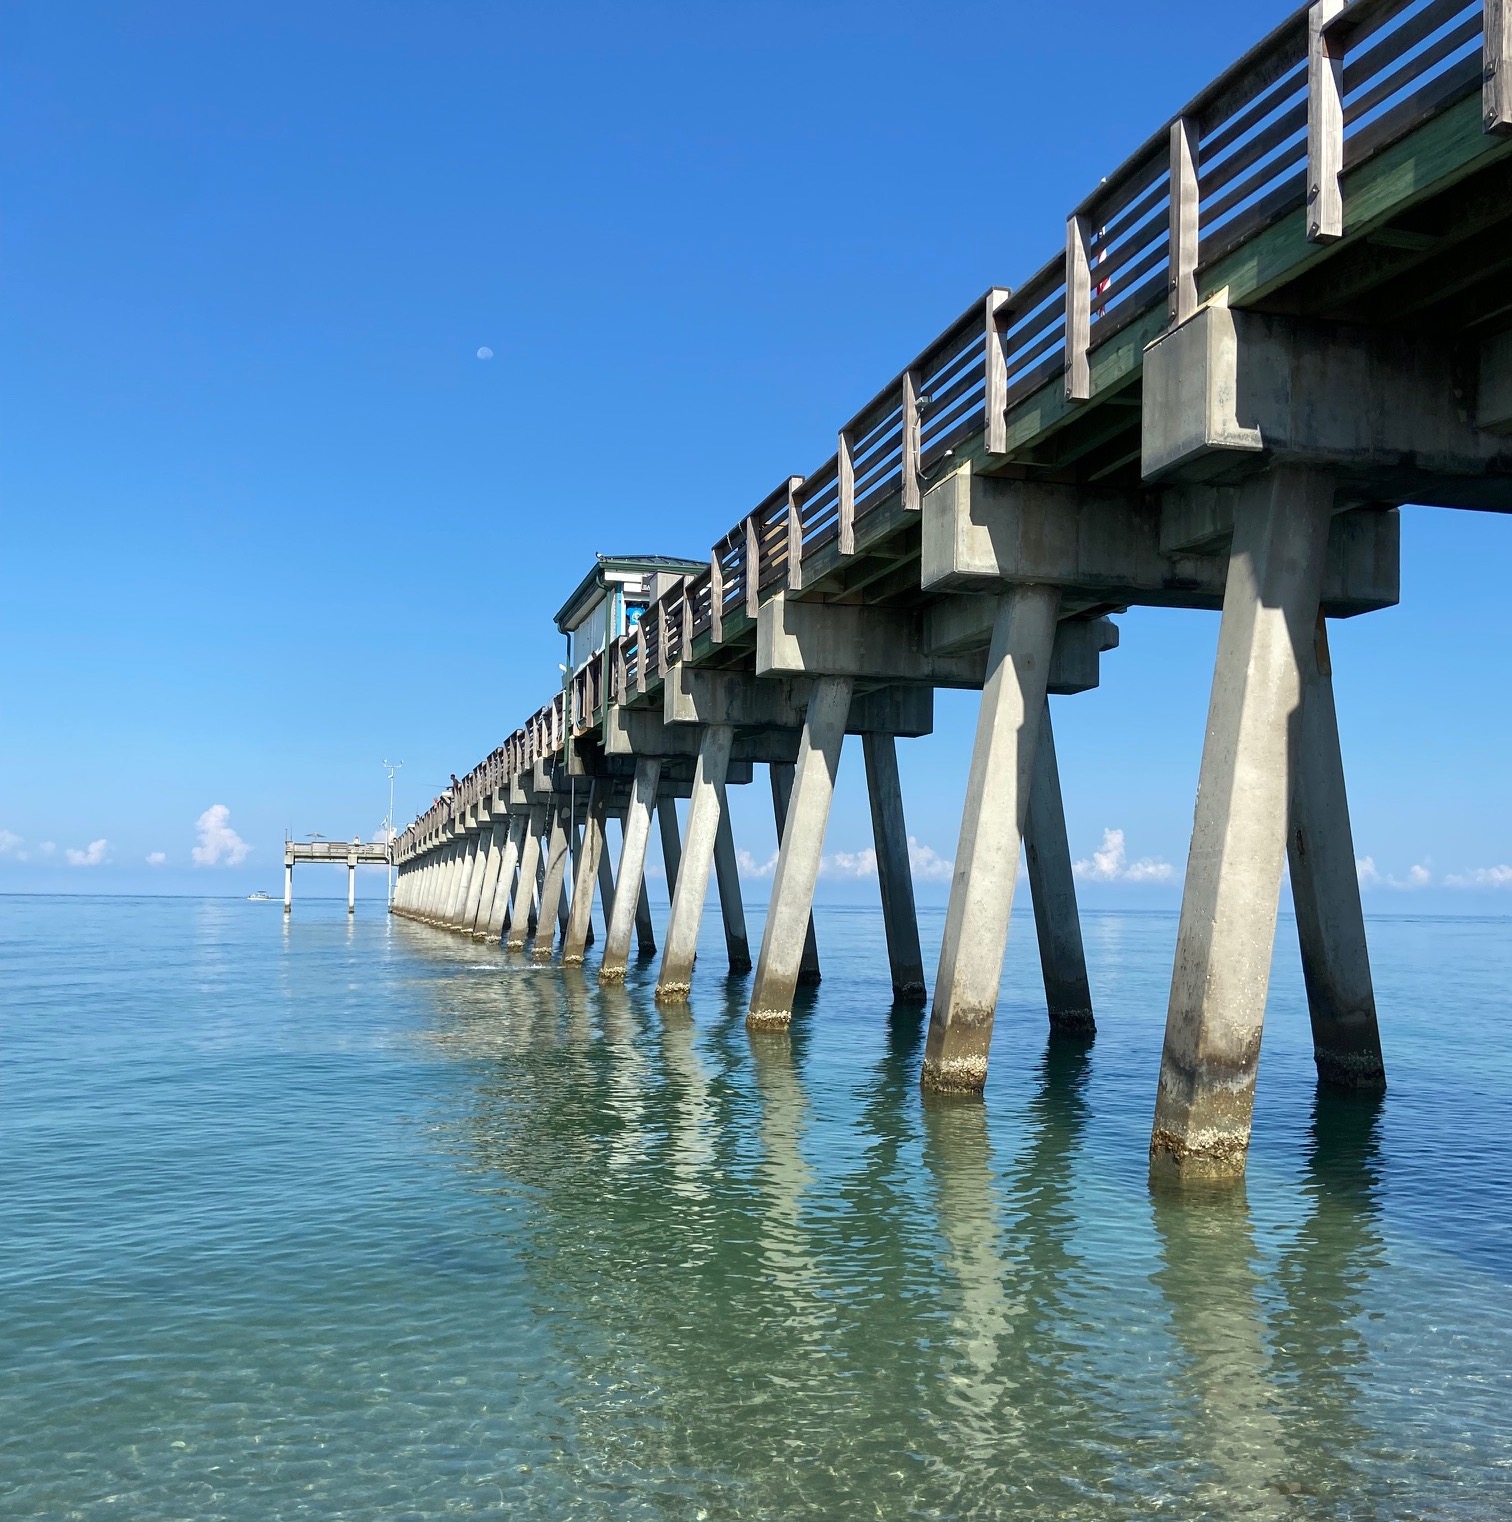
x: 790, y: 1286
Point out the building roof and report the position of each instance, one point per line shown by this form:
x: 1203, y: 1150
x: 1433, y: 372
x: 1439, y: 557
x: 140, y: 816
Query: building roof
x: 591, y: 588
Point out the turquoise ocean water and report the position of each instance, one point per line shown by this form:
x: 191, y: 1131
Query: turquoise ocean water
x: 320, y: 1219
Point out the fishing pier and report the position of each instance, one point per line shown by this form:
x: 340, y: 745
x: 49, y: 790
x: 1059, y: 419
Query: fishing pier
x: 1285, y: 316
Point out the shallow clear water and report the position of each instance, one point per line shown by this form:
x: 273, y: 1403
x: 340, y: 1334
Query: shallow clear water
x: 320, y: 1219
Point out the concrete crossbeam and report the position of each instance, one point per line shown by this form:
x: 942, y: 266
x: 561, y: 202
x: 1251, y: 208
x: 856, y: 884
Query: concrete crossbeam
x: 1381, y: 410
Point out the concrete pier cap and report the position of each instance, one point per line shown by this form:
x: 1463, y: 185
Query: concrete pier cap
x: 1388, y: 413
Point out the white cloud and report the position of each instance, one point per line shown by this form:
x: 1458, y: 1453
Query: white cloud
x: 750, y: 867
x: 1370, y: 876
x: 1481, y: 877
x: 1108, y: 864
x: 219, y: 844
x: 156, y: 858
x: 853, y: 864
x: 47, y: 848
x: 10, y: 845
x: 91, y: 856
x: 926, y: 864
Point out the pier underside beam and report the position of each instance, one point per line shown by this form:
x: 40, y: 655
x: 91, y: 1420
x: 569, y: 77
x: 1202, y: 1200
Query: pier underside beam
x: 798, y: 858
x: 1239, y: 834
x: 992, y: 826
x: 1052, y: 888
x: 629, y: 887
x: 1326, y: 890
x: 676, y: 977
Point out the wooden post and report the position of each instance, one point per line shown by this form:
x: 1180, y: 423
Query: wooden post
x: 995, y: 398
x: 794, y: 535
x: 716, y: 597
x: 1185, y: 227
x: 1078, y: 308
x: 845, y: 477
x: 913, y: 497
x: 752, y: 568
x: 1325, y: 123
x: 1496, y: 91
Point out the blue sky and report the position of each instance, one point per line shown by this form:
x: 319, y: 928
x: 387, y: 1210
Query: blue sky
x: 268, y: 519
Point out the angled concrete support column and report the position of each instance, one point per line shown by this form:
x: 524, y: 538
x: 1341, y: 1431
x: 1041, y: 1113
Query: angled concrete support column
x: 1233, y: 879
x: 553, y: 882
x: 1326, y: 890
x: 671, y: 842
x: 491, y: 852
x: 482, y: 850
x: 440, y: 870
x: 446, y: 863
x: 606, y: 880
x: 894, y: 876
x: 629, y: 888
x: 442, y: 862
x: 590, y: 855
x: 992, y: 825
x: 574, y: 842
x: 727, y: 878
x: 792, y: 900
x: 782, y: 791
x: 461, y: 874
x: 1052, y: 887
x: 676, y: 976
x: 530, y: 857
x: 509, y: 857
x: 645, y: 931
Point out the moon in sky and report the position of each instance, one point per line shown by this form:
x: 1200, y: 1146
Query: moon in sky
x: 485, y: 352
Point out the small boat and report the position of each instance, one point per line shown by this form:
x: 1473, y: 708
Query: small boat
x: 259, y: 897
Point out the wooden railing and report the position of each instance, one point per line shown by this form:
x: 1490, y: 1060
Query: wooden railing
x: 1332, y: 86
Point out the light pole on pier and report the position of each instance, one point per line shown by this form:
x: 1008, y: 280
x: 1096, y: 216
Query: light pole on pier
x: 388, y: 828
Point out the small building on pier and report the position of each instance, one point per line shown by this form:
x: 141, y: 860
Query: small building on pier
x: 608, y: 602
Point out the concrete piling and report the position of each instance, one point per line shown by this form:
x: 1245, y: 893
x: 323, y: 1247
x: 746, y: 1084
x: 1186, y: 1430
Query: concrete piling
x: 553, y: 882
x: 1052, y: 889
x: 992, y: 826
x: 727, y: 879
x: 1239, y: 835
x: 492, y: 848
x: 799, y: 856
x: 509, y: 857
x: 782, y: 791
x: 688, y: 896
x: 530, y: 858
x: 1326, y: 889
x: 894, y: 875
x: 590, y: 855
x: 630, y: 885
